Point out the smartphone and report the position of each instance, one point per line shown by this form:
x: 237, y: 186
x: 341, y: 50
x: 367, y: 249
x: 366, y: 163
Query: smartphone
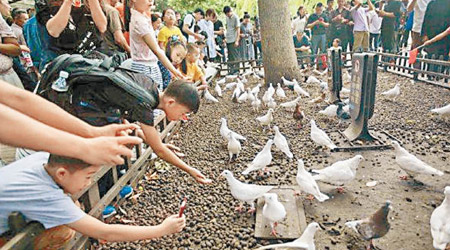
x: 182, y: 207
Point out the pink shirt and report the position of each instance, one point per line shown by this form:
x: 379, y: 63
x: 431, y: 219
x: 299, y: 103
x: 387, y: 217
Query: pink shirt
x: 140, y: 26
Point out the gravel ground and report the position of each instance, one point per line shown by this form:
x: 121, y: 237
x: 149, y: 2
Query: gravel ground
x: 211, y: 220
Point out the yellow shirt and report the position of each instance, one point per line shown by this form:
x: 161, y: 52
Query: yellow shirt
x: 165, y: 33
x: 193, y: 72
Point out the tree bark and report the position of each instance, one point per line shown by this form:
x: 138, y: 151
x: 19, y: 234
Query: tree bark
x: 279, y: 57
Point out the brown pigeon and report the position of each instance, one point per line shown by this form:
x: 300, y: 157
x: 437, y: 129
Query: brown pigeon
x: 373, y: 227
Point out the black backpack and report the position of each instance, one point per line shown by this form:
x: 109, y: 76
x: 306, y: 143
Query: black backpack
x: 103, y: 84
x: 190, y: 26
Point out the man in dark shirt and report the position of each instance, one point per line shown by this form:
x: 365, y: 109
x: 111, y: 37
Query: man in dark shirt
x: 436, y: 20
x: 340, y: 18
x: 391, y: 15
x: 318, y: 23
x: 220, y: 38
x: 328, y: 12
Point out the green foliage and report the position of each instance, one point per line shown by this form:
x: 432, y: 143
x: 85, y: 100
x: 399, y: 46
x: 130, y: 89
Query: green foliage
x: 240, y: 6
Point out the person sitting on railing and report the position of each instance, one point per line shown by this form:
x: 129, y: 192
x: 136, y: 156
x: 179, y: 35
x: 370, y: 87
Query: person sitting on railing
x: 40, y: 186
x: 302, y: 47
x: 28, y: 120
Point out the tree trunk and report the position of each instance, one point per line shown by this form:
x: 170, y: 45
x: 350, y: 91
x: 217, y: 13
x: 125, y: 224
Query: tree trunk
x: 279, y: 56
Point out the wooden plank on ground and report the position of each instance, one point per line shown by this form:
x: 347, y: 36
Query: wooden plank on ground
x: 294, y: 223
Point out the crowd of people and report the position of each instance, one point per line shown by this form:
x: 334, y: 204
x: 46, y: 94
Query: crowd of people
x: 169, y: 52
x: 384, y: 25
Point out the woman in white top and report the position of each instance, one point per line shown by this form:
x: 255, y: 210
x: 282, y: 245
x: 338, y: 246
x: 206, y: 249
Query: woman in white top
x: 208, y: 26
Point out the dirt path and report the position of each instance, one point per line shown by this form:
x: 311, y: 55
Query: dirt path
x: 212, y: 222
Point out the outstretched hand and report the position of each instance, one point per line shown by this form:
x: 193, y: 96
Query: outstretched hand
x: 199, y: 177
x: 176, y: 150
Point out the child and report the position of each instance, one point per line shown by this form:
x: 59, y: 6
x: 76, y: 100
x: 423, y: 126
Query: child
x: 176, y: 52
x: 189, y: 66
x: 336, y: 43
x: 202, y: 58
x: 169, y: 30
x: 145, y: 51
x: 40, y: 186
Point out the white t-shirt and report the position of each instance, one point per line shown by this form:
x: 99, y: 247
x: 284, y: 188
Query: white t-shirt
x: 190, y: 21
x: 26, y: 187
x: 419, y: 15
x: 140, y: 26
x: 374, y: 22
x: 208, y: 27
x: 299, y: 24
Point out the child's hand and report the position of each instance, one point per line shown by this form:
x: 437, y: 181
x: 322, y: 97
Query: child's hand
x: 199, y: 177
x: 173, y: 224
x: 177, y: 74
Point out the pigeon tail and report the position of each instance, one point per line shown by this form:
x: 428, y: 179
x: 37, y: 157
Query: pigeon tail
x: 286, y: 245
x: 322, y: 197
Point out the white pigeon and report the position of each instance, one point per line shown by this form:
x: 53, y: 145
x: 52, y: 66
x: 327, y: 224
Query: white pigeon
x: 240, y: 85
x: 250, y: 96
x: 299, y: 91
x: 345, y: 91
x: 209, y: 97
x: 266, y: 119
x: 288, y: 83
x: 290, y: 104
x: 340, y: 172
x: 320, y: 137
x: 329, y: 111
x: 234, y: 146
x: 244, y: 192
x: 266, y: 97
x: 271, y: 90
x: 280, y: 92
x: 307, y: 183
x: 392, y: 93
x: 273, y: 210
x: 244, y: 80
x: 444, y: 111
x: 440, y: 223
x: 256, y: 89
x: 347, y: 101
x: 224, y: 131
x: 305, y: 242
x: 229, y: 86
x: 218, y: 90
x: 323, y: 86
x: 312, y: 79
x: 272, y: 104
x: 243, y: 97
x: 411, y: 164
x: 221, y: 81
x: 281, y: 143
x: 236, y: 93
x: 261, y: 160
x: 256, y: 104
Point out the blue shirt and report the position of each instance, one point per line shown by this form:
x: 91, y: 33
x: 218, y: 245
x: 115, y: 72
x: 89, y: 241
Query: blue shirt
x: 26, y: 187
x: 38, y: 41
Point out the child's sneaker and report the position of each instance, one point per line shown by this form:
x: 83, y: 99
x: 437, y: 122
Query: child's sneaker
x: 126, y: 192
x: 108, y: 211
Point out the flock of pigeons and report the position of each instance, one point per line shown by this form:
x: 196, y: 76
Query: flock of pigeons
x: 339, y: 173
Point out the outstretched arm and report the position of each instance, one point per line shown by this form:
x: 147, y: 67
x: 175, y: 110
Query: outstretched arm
x: 154, y: 141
